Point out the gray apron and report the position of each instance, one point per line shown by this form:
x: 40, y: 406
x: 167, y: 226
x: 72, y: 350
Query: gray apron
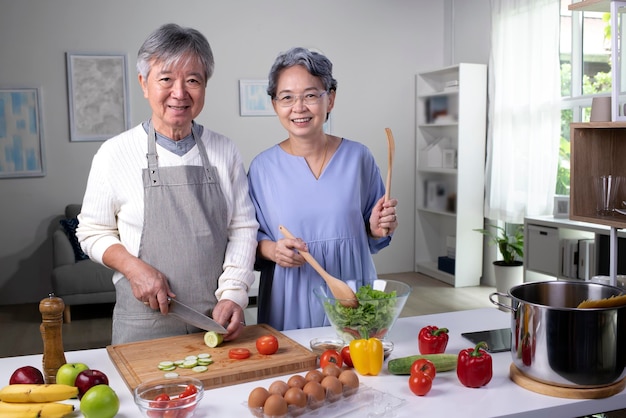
x: 184, y: 236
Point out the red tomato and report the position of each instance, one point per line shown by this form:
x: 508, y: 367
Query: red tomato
x: 345, y: 356
x: 160, y: 401
x: 424, y: 366
x: 189, y: 391
x: 420, y: 383
x: 238, y: 353
x: 330, y: 356
x: 267, y: 344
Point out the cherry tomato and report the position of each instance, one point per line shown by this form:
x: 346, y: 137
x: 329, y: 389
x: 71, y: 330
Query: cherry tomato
x: 238, y: 353
x: 330, y: 356
x: 190, y: 390
x: 345, y: 356
x: 160, y: 401
x: 424, y: 366
x: 267, y: 344
x: 420, y: 383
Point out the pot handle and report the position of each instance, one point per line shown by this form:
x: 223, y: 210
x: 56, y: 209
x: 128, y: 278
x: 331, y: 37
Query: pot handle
x: 502, y: 305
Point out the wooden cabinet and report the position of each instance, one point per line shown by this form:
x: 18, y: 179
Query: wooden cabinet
x: 450, y: 142
x: 597, y: 148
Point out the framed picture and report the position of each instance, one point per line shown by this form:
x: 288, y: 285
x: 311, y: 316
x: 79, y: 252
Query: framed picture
x: 253, y: 98
x: 98, y: 91
x: 561, y: 206
x: 21, y: 141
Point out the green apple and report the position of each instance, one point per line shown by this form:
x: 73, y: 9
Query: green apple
x: 100, y: 401
x: 66, y: 375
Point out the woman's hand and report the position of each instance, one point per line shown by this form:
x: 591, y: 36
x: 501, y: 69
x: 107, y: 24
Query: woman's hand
x: 286, y: 252
x: 228, y: 312
x: 383, y: 220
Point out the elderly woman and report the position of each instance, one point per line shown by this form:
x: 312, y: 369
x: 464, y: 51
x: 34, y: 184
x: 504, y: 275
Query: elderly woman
x: 324, y: 189
x: 167, y: 204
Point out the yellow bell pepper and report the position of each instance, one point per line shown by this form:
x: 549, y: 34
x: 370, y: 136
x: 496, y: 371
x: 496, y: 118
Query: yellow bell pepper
x: 367, y: 356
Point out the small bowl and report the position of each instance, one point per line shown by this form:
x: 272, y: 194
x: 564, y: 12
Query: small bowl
x: 319, y: 345
x: 146, y: 392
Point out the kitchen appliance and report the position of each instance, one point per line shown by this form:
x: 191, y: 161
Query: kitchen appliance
x: 557, y: 344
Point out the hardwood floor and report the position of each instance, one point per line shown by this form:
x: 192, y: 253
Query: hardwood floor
x: 91, y: 324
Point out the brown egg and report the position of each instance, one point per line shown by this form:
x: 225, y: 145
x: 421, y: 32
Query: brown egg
x: 296, y: 397
x: 333, y: 386
x: 278, y: 387
x: 296, y: 381
x: 257, y: 397
x: 349, y: 379
x: 275, y: 406
x: 331, y: 369
x: 315, y: 391
x: 314, y: 375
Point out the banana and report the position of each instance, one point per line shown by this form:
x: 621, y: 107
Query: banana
x: 35, y: 410
x: 37, y: 393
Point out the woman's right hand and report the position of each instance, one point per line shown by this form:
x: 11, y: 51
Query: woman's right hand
x: 286, y: 252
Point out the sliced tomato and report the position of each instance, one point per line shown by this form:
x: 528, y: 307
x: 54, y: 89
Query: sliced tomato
x: 424, y: 366
x: 330, y: 356
x: 238, y: 353
x: 267, y: 344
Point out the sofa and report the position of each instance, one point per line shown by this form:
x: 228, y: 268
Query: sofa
x: 75, y: 278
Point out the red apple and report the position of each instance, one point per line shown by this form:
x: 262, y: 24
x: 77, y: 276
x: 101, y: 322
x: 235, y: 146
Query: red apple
x: 26, y: 375
x: 86, y: 379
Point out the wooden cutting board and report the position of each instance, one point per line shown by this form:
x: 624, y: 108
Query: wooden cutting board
x: 138, y: 361
x: 526, y: 382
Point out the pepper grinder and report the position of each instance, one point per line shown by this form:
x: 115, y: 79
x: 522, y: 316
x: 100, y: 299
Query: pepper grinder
x: 51, y: 309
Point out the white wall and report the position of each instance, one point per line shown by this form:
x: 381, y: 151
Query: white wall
x: 376, y: 47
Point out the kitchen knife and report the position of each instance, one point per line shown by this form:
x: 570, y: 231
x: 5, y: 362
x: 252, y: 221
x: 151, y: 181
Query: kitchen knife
x: 191, y: 316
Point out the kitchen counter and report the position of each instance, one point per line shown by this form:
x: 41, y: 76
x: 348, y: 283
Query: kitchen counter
x: 501, y: 397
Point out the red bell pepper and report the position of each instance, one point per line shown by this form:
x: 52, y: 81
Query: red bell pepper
x: 474, y: 366
x: 432, y: 340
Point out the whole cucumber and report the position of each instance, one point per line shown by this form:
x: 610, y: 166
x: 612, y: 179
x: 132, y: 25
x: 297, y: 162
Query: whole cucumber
x: 443, y: 363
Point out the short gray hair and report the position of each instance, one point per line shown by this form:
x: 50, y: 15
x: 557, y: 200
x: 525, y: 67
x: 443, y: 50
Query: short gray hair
x: 172, y: 43
x: 314, y: 62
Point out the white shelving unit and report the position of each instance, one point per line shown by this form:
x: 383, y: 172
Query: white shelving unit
x: 450, y: 142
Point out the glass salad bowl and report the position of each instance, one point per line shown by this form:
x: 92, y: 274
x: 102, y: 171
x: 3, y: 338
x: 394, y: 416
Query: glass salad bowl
x: 380, y: 304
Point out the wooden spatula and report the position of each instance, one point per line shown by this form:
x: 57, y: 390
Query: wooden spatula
x: 340, y: 289
x: 391, y: 149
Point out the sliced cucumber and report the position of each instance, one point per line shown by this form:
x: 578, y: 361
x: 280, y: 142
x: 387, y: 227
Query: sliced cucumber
x: 170, y: 375
x: 200, y: 369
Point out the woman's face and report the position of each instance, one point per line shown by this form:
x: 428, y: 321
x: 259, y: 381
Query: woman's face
x: 301, y: 119
x: 176, y: 96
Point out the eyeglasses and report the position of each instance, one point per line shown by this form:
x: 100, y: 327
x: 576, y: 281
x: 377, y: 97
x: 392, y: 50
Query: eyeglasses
x: 288, y: 100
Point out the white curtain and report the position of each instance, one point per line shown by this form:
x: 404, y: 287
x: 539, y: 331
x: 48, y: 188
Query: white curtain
x: 524, y: 109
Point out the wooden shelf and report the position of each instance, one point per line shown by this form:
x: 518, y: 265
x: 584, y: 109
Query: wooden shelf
x: 591, y: 6
x: 597, y: 148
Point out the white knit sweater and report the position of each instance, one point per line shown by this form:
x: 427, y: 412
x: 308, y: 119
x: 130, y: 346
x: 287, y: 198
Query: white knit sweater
x: 113, y: 205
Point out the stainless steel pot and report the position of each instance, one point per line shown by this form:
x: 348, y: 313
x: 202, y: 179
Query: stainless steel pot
x: 556, y: 343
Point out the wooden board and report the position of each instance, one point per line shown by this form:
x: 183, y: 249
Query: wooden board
x: 138, y: 361
x: 564, y: 392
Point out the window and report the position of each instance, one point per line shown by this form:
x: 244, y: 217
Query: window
x: 585, y: 57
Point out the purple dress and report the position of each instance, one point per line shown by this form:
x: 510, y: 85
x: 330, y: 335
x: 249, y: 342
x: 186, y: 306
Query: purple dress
x: 330, y: 214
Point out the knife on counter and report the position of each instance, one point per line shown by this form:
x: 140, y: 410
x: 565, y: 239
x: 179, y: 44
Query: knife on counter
x: 191, y: 316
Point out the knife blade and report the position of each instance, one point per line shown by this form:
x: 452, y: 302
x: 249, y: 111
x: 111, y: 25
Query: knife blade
x: 191, y: 316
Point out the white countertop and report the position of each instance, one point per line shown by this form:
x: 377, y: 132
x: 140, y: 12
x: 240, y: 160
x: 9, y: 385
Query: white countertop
x: 501, y: 397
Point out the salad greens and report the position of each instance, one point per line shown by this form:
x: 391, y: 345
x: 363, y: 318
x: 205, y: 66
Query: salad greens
x: 372, y: 318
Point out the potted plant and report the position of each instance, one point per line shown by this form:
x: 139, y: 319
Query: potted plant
x: 509, y: 270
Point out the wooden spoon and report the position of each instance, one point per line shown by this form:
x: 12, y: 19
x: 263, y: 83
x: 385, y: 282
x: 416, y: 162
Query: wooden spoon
x: 391, y: 149
x: 340, y: 290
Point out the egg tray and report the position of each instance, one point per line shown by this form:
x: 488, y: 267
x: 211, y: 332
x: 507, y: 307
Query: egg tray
x: 365, y: 402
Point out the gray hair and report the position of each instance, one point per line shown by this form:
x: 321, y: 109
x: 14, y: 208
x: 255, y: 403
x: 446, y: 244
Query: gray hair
x: 314, y: 62
x: 171, y: 44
